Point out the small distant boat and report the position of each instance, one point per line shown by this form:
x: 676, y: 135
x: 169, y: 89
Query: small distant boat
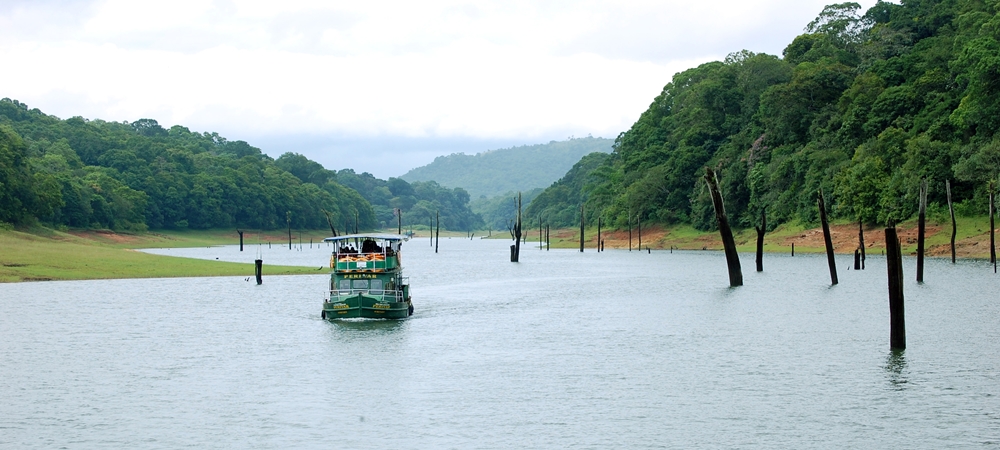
x: 367, y: 278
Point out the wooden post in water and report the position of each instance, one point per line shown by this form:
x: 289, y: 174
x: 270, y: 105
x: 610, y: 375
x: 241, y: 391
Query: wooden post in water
x: 861, y: 243
x: 857, y: 259
x: 437, y: 233
x: 581, y: 228
x: 548, y: 243
x: 921, y: 229
x: 288, y: 218
x: 399, y: 221
x: 732, y: 257
x: 894, y: 265
x: 329, y: 221
x: 599, y: 249
x: 516, y: 248
x: 954, y: 227
x: 638, y: 225
x: 630, y: 231
x: 827, y: 239
x: 793, y: 249
x: 760, y: 239
x: 241, y: 239
x: 540, y: 232
x: 993, y: 247
x: 258, y: 264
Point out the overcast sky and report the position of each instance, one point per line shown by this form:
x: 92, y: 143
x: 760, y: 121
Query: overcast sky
x: 379, y: 86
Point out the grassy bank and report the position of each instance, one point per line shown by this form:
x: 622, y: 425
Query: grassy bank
x: 972, y: 239
x: 42, y: 254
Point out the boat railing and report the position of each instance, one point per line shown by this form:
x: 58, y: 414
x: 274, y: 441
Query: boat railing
x: 374, y: 262
x: 334, y: 294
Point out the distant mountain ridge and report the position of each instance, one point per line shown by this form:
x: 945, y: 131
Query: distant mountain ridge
x: 496, y: 172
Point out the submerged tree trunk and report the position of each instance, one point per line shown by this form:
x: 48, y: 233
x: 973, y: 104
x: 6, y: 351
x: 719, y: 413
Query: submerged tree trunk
x: 894, y: 266
x: 827, y: 240
x: 954, y: 227
x: 288, y: 218
x: 516, y: 248
x: 732, y: 257
x: 760, y: 240
x: 599, y: 249
x: 241, y: 239
x: 638, y: 227
x: 993, y: 248
x: 861, y: 242
x: 329, y: 221
x: 921, y: 229
x: 437, y: 233
x: 258, y: 264
x: 581, y: 228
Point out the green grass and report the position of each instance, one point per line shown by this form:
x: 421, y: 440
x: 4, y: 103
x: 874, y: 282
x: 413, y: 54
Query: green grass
x: 42, y: 254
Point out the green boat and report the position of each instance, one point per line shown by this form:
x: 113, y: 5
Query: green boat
x: 367, y: 279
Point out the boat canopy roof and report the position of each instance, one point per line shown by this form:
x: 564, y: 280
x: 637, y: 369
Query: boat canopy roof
x: 375, y: 236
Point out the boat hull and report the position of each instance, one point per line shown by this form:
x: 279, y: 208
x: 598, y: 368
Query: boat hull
x: 365, y: 307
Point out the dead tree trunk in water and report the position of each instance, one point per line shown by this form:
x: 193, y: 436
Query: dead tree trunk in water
x: 827, y: 239
x: 241, y: 239
x: 399, y: 221
x: 954, y: 227
x: 732, y: 257
x: 329, y: 221
x: 638, y: 226
x: 894, y: 265
x: 599, y: 249
x: 515, y: 250
x: 630, y: 231
x: 288, y: 218
x: 258, y: 264
x: 993, y: 247
x: 760, y: 240
x: 437, y: 233
x: 861, y: 242
x: 921, y: 229
x: 581, y: 228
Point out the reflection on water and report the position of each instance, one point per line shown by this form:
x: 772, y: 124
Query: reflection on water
x: 561, y: 350
x: 895, y: 364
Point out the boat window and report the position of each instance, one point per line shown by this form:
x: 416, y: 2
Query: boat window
x: 345, y: 285
x: 376, y: 285
x: 359, y: 284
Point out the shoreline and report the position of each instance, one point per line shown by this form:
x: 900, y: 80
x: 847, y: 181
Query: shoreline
x: 42, y: 254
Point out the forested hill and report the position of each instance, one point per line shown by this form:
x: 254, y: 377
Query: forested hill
x: 862, y: 106
x: 135, y: 176
x: 521, y: 168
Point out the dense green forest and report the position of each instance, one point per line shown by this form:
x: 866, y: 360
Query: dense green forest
x: 497, y: 172
x: 862, y: 106
x: 135, y: 176
x: 498, y: 212
x: 419, y: 201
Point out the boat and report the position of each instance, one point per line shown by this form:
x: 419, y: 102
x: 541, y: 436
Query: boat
x: 366, y: 280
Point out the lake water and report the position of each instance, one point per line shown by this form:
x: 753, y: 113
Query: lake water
x: 563, y: 350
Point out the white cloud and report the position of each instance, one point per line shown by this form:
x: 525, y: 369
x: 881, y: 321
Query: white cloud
x: 445, y: 69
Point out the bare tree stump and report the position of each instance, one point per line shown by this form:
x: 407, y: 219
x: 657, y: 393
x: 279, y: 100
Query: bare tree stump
x: 581, y: 228
x: 258, y: 265
x: 954, y: 226
x: 732, y: 257
x: 921, y: 229
x: 760, y: 240
x: 241, y: 239
x: 827, y: 240
x: 861, y: 242
x: 894, y: 266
